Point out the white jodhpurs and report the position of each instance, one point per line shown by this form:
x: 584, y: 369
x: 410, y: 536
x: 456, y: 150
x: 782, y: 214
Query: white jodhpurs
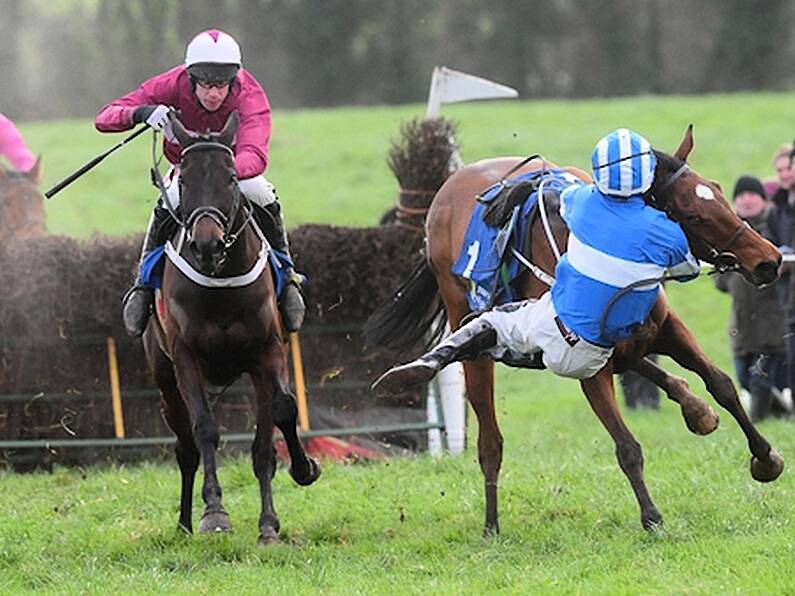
x: 257, y: 190
x: 532, y: 325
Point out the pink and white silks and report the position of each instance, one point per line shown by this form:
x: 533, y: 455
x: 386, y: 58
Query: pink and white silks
x: 13, y: 147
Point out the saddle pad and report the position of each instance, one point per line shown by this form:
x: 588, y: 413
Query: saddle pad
x: 483, y: 259
x: 151, y: 269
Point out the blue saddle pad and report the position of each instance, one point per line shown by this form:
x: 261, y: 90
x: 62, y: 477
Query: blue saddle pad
x: 151, y: 269
x: 484, y: 259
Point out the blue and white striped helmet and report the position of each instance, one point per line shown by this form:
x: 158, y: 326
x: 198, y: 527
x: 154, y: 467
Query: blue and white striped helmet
x: 623, y: 163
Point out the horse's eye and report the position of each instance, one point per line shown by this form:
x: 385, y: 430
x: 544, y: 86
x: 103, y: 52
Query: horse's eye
x: 695, y: 219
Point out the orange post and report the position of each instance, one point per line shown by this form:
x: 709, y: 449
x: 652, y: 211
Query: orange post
x: 115, y: 389
x: 300, y: 385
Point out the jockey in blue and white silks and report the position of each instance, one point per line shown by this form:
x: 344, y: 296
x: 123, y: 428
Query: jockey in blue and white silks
x: 615, y: 240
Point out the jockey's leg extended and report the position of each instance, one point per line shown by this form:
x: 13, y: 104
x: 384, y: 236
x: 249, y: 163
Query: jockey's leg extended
x: 501, y: 333
x: 268, y: 214
x: 467, y: 343
x: 138, y: 299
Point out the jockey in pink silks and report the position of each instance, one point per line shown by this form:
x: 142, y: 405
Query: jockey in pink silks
x: 205, y: 91
x: 13, y: 147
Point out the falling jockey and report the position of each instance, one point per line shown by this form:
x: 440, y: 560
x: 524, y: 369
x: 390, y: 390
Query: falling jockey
x: 205, y: 91
x: 616, y: 240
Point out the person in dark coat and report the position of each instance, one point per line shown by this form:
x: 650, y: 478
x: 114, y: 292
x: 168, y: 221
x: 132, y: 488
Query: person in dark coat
x: 780, y: 230
x: 756, y: 326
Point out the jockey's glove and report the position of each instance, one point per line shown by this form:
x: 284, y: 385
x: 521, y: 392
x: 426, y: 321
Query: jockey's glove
x: 157, y: 117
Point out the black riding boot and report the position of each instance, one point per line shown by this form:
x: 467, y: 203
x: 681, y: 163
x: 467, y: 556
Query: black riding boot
x: 291, y: 302
x: 468, y: 343
x: 138, y: 300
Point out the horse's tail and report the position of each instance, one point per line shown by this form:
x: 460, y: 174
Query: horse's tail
x: 414, y: 314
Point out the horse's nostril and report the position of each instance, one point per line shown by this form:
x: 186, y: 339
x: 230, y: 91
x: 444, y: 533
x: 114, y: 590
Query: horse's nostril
x: 766, y: 272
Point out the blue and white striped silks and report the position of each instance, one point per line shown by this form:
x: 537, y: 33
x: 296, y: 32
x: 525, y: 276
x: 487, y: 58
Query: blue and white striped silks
x: 613, y: 243
x: 623, y: 163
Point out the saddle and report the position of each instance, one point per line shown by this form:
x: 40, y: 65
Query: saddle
x: 500, y: 226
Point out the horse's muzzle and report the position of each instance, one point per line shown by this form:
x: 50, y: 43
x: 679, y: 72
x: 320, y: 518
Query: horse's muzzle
x: 210, y: 254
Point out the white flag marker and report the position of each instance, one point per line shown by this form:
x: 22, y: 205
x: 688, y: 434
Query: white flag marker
x: 450, y: 86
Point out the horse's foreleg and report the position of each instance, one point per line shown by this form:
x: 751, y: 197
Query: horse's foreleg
x: 700, y: 418
x: 206, y: 436
x: 479, y: 377
x: 304, y: 469
x: 601, y: 395
x: 178, y: 419
x: 263, y: 454
x: 677, y: 342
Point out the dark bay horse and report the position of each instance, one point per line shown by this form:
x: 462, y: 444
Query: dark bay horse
x: 212, y: 334
x: 21, y: 204
x: 717, y: 236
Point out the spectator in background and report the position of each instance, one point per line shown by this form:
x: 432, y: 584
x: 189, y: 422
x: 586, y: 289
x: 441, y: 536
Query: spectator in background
x: 638, y: 391
x: 780, y: 230
x: 13, y: 147
x: 757, y: 319
x: 785, y: 173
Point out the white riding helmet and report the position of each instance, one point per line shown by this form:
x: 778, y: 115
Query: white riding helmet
x: 212, y: 46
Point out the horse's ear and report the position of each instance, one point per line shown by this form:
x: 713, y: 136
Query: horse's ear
x: 34, y: 174
x: 686, y: 146
x: 228, y: 132
x: 181, y: 133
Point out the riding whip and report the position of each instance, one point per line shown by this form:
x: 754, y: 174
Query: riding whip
x: 72, y: 177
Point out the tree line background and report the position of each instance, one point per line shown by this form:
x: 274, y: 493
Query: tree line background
x: 67, y: 58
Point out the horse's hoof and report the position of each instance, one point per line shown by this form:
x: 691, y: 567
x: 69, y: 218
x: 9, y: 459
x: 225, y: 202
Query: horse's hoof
x: 215, y: 521
x: 401, y: 378
x: 699, y: 417
x: 652, y: 520
x: 312, y: 473
x: 268, y: 536
x: 491, y: 530
x: 767, y: 470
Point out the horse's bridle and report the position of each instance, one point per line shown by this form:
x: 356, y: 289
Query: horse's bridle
x: 721, y: 257
x: 224, y: 221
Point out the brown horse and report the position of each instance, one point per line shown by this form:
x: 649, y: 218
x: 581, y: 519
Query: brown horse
x: 716, y: 234
x: 212, y: 334
x: 21, y: 204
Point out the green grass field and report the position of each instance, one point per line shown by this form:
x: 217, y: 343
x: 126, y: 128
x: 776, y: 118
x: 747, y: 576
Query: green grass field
x: 330, y: 165
x: 412, y: 525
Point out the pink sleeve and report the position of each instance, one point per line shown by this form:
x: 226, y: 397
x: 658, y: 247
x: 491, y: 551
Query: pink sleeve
x: 118, y: 115
x: 254, y: 133
x: 13, y: 147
